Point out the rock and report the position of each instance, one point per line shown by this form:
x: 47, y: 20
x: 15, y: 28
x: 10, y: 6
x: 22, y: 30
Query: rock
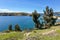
x: 27, y: 34
x: 50, y: 33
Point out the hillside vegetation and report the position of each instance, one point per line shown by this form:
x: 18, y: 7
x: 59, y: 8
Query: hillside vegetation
x: 47, y: 34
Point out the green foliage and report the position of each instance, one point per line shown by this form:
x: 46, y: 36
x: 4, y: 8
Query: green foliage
x: 10, y: 28
x: 51, y: 12
x: 17, y: 28
x: 35, y: 16
x: 48, y: 17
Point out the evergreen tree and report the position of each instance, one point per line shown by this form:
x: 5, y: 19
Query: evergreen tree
x: 17, y: 28
x: 53, y: 20
x: 35, y: 16
x: 48, y: 17
x: 10, y: 27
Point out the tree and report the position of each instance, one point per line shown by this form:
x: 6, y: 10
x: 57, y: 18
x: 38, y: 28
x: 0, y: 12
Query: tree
x: 17, y: 28
x: 47, y: 10
x: 35, y: 17
x: 48, y: 17
x: 52, y: 18
x: 51, y: 12
x: 10, y: 27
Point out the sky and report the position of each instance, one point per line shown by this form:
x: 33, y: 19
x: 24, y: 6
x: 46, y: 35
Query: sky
x: 28, y: 5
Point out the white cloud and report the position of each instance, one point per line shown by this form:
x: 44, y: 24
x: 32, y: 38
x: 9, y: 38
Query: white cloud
x: 7, y: 10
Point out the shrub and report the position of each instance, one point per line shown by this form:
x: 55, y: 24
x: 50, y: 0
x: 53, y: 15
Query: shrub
x: 17, y: 28
x: 10, y: 28
x: 48, y: 17
x: 35, y: 17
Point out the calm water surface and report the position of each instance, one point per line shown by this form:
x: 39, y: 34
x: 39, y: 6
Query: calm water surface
x: 25, y: 22
x: 22, y: 21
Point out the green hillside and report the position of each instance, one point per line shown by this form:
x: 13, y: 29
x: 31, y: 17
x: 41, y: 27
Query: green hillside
x: 46, y: 34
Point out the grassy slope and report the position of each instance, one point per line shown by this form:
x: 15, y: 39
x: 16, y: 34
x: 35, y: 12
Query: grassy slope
x: 34, y: 33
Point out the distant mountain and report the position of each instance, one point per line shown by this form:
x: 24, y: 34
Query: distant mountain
x: 57, y: 13
x: 22, y: 14
x: 14, y: 14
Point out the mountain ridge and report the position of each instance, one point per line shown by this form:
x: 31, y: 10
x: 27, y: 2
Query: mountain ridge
x: 21, y: 13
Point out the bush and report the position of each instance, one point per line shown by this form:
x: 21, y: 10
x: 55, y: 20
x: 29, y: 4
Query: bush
x: 48, y: 17
x: 17, y: 28
x: 10, y: 28
x: 35, y: 17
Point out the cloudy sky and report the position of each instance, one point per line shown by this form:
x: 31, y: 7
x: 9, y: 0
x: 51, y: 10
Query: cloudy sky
x: 28, y: 5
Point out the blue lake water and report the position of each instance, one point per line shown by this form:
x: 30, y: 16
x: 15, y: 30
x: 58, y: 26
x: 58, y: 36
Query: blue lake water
x: 22, y: 21
x: 25, y: 22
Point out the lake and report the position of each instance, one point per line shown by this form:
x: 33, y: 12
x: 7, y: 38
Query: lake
x: 25, y: 22
x: 22, y: 21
